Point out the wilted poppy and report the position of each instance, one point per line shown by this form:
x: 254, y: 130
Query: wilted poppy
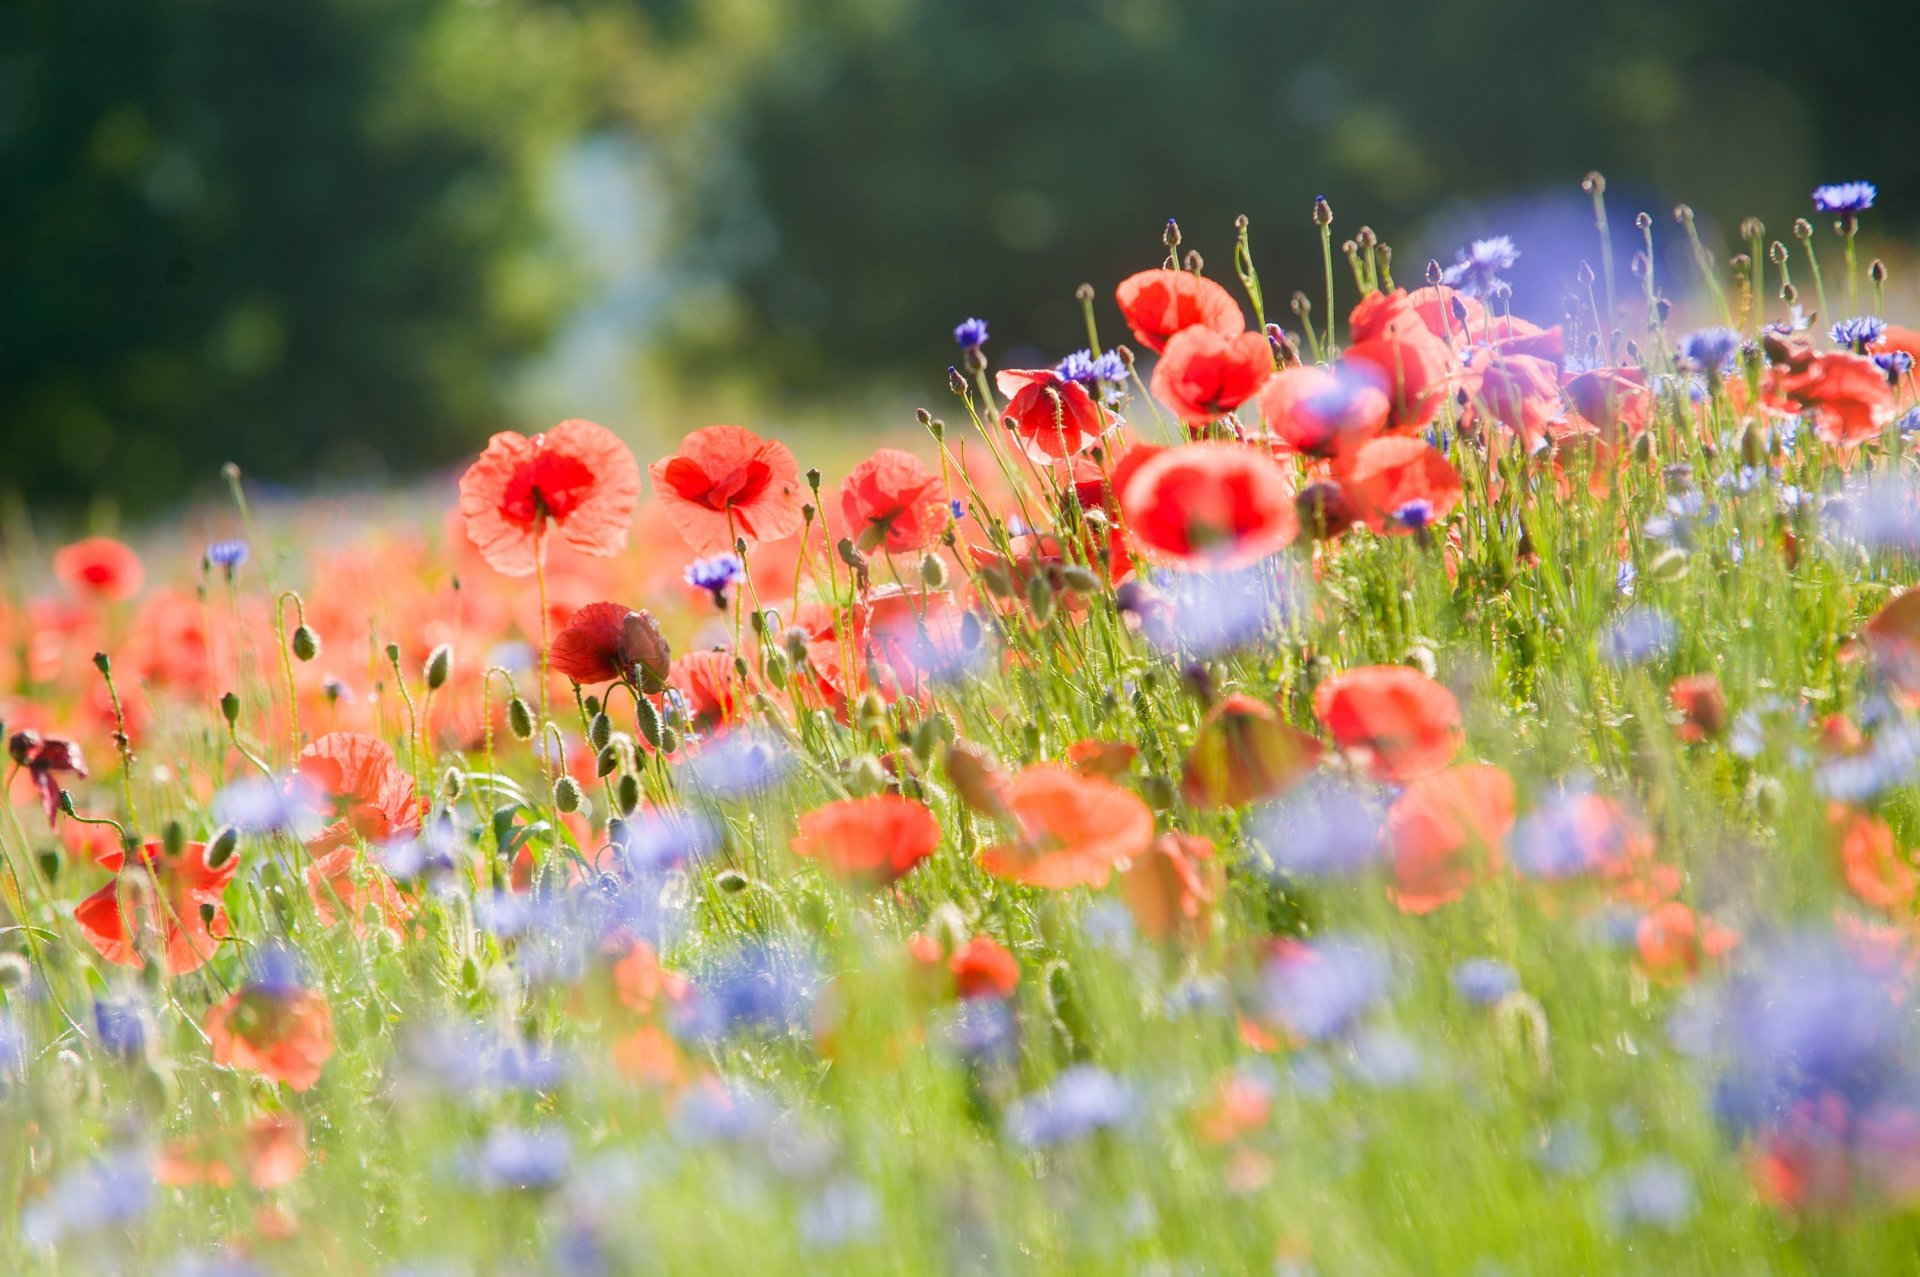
x: 1159, y: 303
x: 1701, y: 703
x: 1204, y: 375
x: 276, y: 1028
x: 1071, y: 830
x: 1218, y: 504
x: 1402, y: 485
x: 101, y: 567
x: 159, y: 897
x: 355, y: 779
x: 1323, y: 412
x: 1051, y: 416
x: 1395, y: 721
x: 726, y: 482
x: 603, y: 642
x: 1172, y: 888
x: 1435, y: 825
x: 46, y: 758
x: 983, y: 968
x: 892, y: 502
x: 871, y: 841
x: 1245, y: 754
x: 577, y: 479
x: 1871, y: 863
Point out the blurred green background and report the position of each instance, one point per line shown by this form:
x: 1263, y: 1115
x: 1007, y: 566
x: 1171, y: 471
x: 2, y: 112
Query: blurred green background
x: 346, y: 239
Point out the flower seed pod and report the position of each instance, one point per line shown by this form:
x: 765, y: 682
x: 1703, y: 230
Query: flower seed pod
x: 519, y: 719
x: 1039, y: 598
x: 933, y: 572
x: 230, y: 708
x: 607, y: 762
x: 305, y: 644
x: 669, y: 740
x: 648, y: 719
x: 732, y: 881
x: 566, y: 794
x: 775, y: 668
x: 627, y: 793
x: 220, y: 850
x: 600, y: 730
x: 439, y: 667
x: 1080, y: 580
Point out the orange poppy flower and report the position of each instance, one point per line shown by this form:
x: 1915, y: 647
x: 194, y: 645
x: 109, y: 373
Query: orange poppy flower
x: 641, y: 981
x: 1071, y: 829
x: 336, y: 892
x: 984, y: 968
x: 1391, y: 341
x: 1672, y: 942
x: 1395, y: 721
x: 1106, y: 759
x: 164, y: 896
x: 1245, y: 754
x: 1050, y: 416
x: 1160, y: 303
x: 281, y: 1032
x: 1401, y: 485
x: 711, y: 685
x: 1616, y: 400
x: 1218, y: 504
x: 1204, y: 375
x: 604, y: 642
x: 726, y: 482
x: 577, y: 477
x: 1870, y: 861
x: 892, y: 501
x: 355, y: 778
x: 101, y: 567
x: 1323, y: 412
x: 1172, y: 889
x: 271, y: 1152
x: 1702, y: 705
x: 1434, y: 826
x: 871, y: 841
x: 1847, y: 395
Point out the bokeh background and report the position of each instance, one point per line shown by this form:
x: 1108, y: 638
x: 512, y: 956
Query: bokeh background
x: 341, y: 241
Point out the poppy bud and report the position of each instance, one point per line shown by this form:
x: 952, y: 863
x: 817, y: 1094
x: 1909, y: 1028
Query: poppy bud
x: 1877, y: 271
x: 849, y: 555
x: 101, y: 663
x: 606, y: 762
x: 1789, y: 294
x: 648, y: 719
x: 933, y: 572
x: 1171, y: 235
x: 1039, y: 598
x: 439, y: 667
x: 519, y: 719
x: 566, y: 794
x: 305, y: 643
x: 627, y: 794
x: 732, y: 881
x: 1753, y: 444
x: 600, y: 730
x: 206, y: 913
x: 1195, y: 263
x: 1322, y: 211
x: 173, y: 838
x: 21, y: 744
x: 1683, y: 214
x: 1643, y: 446
x: 1078, y: 579
x: 453, y: 784
x: 937, y: 428
x: 393, y: 654
x: 956, y: 381
x: 50, y: 864
x: 225, y: 842
x: 774, y: 667
x: 230, y: 708
x: 669, y: 740
x: 1365, y: 238
x: 975, y: 778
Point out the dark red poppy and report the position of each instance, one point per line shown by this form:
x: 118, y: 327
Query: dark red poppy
x: 355, y: 778
x: 1401, y: 484
x: 726, y: 482
x: 1245, y: 754
x: 282, y: 1034
x: 158, y: 896
x: 1159, y: 303
x: 577, y: 479
x: 100, y: 566
x: 1173, y: 888
x: 46, y: 758
x: 1071, y: 830
x: 1222, y: 504
x: 1702, y: 705
x: 984, y: 968
x: 870, y: 841
x: 1435, y: 827
x: 892, y: 501
x: 1050, y: 415
x: 1395, y: 721
x: 604, y: 642
x: 1204, y: 375
x: 1412, y: 365
x: 1323, y: 412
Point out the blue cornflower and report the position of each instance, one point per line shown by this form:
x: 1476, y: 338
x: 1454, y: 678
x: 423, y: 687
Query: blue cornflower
x: 758, y: 988
x: 1415, y: 515
x: 1848, y: 199
x: 958, y: 508
x: 1896, y: 364
x: 1859, y: 332
x: 1476, y: 269
x: 971, y: 334
x: 1102, y: 375
x: 1654, y: 1193
x: 843, y: 1212
x: 715, y: 574
x: 1641, y: 634
x: 982, y: 1030
x: 736, y: 764
x: 520, y: 1158
x: 111, y: 1193
x: 1325, y: 828
x: 1320, y: 990
x: 1484, y: 981
x: 1711, y: 350
x: 1082, y: 1100
x: 227, y: 554
x: 275, y: 971
x: 122, y: 1028
x: 1383, y: 1058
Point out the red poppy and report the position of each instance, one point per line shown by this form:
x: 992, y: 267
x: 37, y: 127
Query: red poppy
x: 727, y: 482
x: 1435, y: 825
x: 984, y: 968
x: 1672, y: 942
x: 1847, y: 395
x: 163, y: 895
x: 711, y: 685
x: 271, y: 1152
x: 1871, y: 863
x: 1107, y: 759
x: 641, y: 981
x: 1893, y: 637
x: 977, y: 778
x: 1520, y: 392
x: 892, y: 501
x: 1616, y: 400
x: 338, y: 892
x: 1050, y: 415
x: 45, y: 758
x: 1220, y: 504
x: 1395, y: 721
x: 1325, y: 510
x: 1245, y: 754
x: 1160, y: 303
x: 1173, y: 888
x: 1402, y: 485
x: 282, y: 1034
x: 604, y: 642
x: 1392, y: 341
x: 872, y: 841
x: 1323, y: 412
x: 1071, y: 830
x: 916, y: 633
x: 1702, y: 705
x: 577, y: 477
x: 354, y: 778
x: 1204, y: 375
x: 100, y: 566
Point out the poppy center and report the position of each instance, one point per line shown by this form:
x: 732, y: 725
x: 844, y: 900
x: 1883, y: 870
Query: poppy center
x: 554, y: 485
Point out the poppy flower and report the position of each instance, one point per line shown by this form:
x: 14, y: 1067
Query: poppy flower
x: 1395, y: 721
x: 1893, y: 637
x: 1325, y: 510
x: 726, y: 482
x: 577, y: 478
x: 1701, y: 703
x: 916, y: 633
x: 45, y: 758
x: 1871, y: 863
x: 1435, y: 825
x: 605, y: 642
x: 873, y: 840
x: 977, y: 778
x: 1847, y: 396
x: 157, y: 895
x: 355, y: 779
x: 1203, y: 375
x: 1616, y: 400
x: 1159, y: 303
x: 1402, y: 485
x: 1392, y: 343
x: 271, y: 1152
x: 1245, y: 754
x: 892, y: 502
x: 1106, y: 759
x: 1222, y: 505
x: 275, y: 1028
x: 337, y: 891
x: 1672, y: 942
x: 1171, y: 890
x: 1520, y: 392
x: 101, y: 567
x: 1323, y: 412
x: 1051, y: 416
x: 641, y: 981
x: 1071, y: 830
x: 984, y: 968
x: 711, y: 686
